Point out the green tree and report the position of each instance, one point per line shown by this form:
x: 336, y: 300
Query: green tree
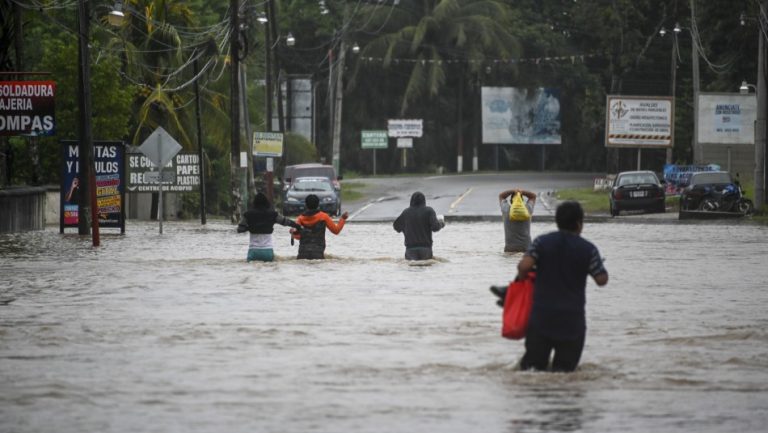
x: 153, y: 54
x: 432, y: 34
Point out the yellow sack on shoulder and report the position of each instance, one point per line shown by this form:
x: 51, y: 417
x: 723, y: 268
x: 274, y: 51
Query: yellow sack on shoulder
x: 518, y: 211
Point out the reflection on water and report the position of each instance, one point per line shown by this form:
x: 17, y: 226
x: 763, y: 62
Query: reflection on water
x: 177, y: 333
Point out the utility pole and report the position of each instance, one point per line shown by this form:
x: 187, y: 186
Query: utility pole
x: 337, y: 96
x: 200, y: 153
x: 234, y: 110
x: 760, y: 122
x: 459, y: 128
x: 698, y: 153
x: 331, y: 99
x: 269, y: 87
x: 337, y: 107
x: 88, y: 207
x: 672, y: 87
x: 246, y: 124
x: 276, y: 65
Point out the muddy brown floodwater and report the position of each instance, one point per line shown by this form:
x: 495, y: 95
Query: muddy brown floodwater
x: 177, y: 333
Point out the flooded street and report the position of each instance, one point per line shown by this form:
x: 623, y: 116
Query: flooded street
x: 177, y: 333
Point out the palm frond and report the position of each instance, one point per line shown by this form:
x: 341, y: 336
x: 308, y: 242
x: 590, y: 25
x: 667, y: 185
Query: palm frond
x: 415, y: 86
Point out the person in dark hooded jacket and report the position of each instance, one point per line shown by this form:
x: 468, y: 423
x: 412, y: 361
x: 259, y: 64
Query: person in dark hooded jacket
x: 260, y: 221
x: 417, y: 223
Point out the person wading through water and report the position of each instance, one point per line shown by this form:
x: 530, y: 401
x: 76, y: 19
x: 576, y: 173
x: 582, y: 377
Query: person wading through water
x: 417, y: 223
x: 313, y: 223
x: 562, y: 261
x: 260, y: 221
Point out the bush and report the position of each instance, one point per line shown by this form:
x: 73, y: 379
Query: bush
x: 298, y: 149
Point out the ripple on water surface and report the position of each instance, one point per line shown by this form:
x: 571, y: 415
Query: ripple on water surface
x: 176, y: 332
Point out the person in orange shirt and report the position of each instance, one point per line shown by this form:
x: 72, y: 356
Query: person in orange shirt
x: 312, y: 235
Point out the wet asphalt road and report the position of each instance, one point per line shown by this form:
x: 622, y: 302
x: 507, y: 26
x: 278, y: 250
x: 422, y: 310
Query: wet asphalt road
x: 472, y: 196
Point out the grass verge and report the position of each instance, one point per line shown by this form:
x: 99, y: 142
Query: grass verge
x: 350, y: 191
x: 591, y: 201
x: 597, y: 202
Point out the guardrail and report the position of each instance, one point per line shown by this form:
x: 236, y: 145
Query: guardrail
x: 22, y: 209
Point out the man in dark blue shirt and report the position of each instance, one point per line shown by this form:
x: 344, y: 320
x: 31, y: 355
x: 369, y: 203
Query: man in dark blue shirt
x: 562, y: 261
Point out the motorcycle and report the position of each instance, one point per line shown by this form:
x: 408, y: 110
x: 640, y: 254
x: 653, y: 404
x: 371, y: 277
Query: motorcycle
x: 729, y: 199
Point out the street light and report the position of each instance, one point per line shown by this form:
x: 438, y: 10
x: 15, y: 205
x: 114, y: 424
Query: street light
x: 290, y: 40
x: 355, y: 48
x: 116, y: 16
x: 744, y: 88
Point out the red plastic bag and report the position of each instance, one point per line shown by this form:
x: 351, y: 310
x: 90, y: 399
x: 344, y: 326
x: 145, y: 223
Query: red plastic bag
x: 517, y: 308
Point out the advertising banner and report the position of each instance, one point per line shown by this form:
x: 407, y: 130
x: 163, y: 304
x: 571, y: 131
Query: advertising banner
x: 514, y: 115
x: 108, y: 157
x: 677, y: 176
x: 27, y: 107
x: 639, y: 121
x: 181, y: 174
x: 727, y: 118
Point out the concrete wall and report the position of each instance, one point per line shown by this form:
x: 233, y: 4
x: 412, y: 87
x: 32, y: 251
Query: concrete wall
x: 52, y: 205
x: 31, y: 208
x: 22, y: 209
x: 138, y: 205
x: 742, y: 158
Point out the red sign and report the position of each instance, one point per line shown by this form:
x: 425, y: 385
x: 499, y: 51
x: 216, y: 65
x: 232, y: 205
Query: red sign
x: 27, y: 107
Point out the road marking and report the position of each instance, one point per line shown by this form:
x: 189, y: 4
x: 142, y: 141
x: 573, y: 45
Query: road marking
x: 363, y: 209
x: 459, y: 199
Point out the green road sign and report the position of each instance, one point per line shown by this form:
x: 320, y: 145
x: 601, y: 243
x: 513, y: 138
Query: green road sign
x: 376, y: 139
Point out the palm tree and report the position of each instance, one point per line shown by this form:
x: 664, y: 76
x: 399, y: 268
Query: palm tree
x: 161, y: 51
x: 430, y: 35
x: 158, y: 56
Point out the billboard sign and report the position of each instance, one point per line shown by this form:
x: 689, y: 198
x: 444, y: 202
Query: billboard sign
x: 514, y: 115
x: 727, y: 118
x: 405, y: 143
x: 268, y: 144
x: 376, y: 139
x: 639, y: 121
x: 109, y: 173
x: 181, y: 174
x: 27, y: 108
x: 405, y: 127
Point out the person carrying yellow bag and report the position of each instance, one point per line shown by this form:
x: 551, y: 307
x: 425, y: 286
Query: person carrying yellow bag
x: 516, y: 213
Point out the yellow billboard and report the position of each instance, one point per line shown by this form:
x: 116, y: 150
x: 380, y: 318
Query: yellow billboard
x: 269, y: 144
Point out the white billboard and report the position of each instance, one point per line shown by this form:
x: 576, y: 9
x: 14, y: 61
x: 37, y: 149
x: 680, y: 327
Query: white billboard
x: 514, y: 115
x: 727, y: 118
x: 639, y: 121
x: 405, y: 127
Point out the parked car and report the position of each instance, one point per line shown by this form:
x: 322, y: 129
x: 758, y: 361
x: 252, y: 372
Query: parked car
x: 637, y: 190
x: 330, y: 198
x: 296, y: 171
x: 714, y: 191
